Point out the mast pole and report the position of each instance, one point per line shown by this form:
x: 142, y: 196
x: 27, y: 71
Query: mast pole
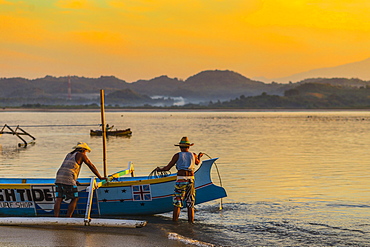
x: 104, y: 131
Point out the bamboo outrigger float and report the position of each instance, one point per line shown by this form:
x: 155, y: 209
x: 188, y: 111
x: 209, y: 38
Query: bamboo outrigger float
x: 47, y: 221
x: 18, y: 132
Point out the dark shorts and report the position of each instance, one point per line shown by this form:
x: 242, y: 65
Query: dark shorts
x: 66, y: 191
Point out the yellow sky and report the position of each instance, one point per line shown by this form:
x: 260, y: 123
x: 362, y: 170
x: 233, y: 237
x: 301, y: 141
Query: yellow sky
x: 143, y: 39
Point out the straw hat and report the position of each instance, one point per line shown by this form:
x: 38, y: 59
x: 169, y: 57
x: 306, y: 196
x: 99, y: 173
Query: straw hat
x: 184, y: 142
x: 82, y: 145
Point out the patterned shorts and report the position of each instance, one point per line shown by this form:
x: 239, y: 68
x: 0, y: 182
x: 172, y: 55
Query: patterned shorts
x: 66, y: 191
x: 184, y: 193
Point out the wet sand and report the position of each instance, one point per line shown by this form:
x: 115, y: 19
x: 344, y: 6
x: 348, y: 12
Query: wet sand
x: 159, y: 231
x: 150, y: 235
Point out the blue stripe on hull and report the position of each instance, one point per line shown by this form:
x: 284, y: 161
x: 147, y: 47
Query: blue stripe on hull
x: 155, y: 206
x: 17, y: 212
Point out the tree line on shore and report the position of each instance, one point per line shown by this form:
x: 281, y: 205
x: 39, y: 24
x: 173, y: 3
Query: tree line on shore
x: 208, y: 89
x: 305, y: 96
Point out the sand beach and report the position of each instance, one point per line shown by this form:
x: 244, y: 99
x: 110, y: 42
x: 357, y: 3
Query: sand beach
x: 160, y: 231
x: 150, y: 235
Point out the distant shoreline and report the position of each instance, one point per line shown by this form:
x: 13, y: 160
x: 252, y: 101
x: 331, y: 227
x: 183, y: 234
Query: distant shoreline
x: 9, y: 109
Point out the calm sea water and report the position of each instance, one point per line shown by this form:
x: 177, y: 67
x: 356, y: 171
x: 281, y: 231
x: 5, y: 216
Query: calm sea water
x: 292, y: 178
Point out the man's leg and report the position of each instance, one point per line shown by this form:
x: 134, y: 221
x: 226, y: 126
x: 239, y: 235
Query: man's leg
x: 57, y: 206
x: 191, y: 215
x: 71, y: 207
x: 178, y: 199
x: 176, y: 213
x: 190, y: 201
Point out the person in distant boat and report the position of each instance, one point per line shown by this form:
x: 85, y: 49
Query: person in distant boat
x: 185, y: 162
x: 109, y: 127
x: 66, y: 177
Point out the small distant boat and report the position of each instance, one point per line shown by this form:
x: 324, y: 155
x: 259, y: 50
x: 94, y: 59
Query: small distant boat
x: 126, y: 132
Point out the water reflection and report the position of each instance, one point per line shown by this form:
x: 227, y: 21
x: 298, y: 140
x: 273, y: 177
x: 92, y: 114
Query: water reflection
x: 291, y: 177
x: 263, y: 155
x: 13, y: 151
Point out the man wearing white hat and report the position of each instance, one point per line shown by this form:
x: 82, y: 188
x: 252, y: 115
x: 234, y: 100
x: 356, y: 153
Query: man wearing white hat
x: 66, y: 177
x: 185, y: 162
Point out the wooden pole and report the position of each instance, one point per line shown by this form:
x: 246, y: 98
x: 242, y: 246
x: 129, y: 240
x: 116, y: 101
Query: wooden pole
x: 104, y: 131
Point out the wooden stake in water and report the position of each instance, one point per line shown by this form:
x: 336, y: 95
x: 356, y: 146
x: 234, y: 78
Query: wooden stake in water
x: 104, y: 131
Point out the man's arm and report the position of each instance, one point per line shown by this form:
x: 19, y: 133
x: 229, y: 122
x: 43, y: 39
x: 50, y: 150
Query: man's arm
x: 170, y: 164
x: 197, y: 158
x: 87, y: 161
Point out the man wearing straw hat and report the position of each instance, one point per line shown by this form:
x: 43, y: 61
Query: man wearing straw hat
x: 185, y: 162
x: 66, y: 178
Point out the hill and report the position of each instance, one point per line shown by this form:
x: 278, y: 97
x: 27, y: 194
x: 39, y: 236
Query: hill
x: 222, y: 85
x: 351, y: 70
x: 305, y: 96
x: 201, y: 88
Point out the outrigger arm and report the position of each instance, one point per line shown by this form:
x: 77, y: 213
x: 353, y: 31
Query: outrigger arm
x: 18, y: 134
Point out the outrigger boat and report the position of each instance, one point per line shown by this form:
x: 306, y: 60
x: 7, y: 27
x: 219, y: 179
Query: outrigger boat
x: 117, y: 132
x: 31, y: 200
x: 120, y: 196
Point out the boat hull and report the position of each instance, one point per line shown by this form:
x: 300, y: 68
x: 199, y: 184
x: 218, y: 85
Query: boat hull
x: 124, y: 196
x: 126, y: 132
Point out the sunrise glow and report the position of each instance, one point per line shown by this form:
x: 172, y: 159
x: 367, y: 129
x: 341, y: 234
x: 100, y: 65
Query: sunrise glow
x: 143, y: 39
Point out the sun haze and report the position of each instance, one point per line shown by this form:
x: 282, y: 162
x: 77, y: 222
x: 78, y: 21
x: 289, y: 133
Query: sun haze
x: 142, y: 39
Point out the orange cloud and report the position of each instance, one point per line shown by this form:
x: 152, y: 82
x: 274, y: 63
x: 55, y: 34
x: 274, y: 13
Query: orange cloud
x: 269, y: 38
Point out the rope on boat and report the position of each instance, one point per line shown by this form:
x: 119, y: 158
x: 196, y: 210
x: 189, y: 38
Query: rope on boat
x: 219, y: 177
x: 159, y: 174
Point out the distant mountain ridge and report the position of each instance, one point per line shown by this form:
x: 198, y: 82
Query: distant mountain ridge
x: 206, y: 86
x: 310, y: 95
x: 360, y: 70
